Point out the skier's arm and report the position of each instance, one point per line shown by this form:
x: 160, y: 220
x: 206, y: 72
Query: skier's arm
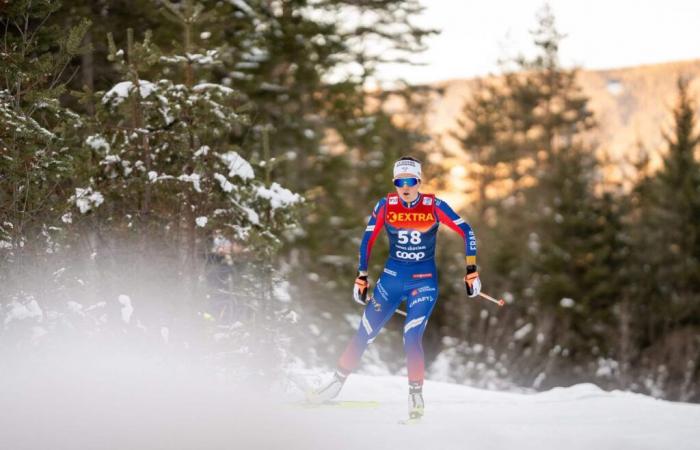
x: 450, y: 218
x: 374, y: 226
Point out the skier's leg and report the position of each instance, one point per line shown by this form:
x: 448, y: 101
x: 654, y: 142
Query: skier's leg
x: 420, y: 304
x: 387, y: 297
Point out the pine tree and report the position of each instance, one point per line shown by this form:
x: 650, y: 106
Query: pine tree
x: 36, y: 132
x: 667, y: 252
x: 554, y: 240
x: 167, y: 166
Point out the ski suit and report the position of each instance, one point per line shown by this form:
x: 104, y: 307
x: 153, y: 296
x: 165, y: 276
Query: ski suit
x: 409, y: 274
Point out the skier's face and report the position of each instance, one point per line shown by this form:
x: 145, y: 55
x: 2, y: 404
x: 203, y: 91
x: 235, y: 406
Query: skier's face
x: 406, y: 192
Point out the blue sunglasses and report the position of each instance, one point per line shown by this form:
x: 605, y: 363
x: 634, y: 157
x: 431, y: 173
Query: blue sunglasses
x: 401, y: 182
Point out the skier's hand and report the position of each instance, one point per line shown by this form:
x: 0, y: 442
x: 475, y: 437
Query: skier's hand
x: 359, y: 291
x: 472, y: 281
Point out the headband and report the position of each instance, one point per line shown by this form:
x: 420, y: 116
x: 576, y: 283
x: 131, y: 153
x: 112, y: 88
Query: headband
x: 407, y: 166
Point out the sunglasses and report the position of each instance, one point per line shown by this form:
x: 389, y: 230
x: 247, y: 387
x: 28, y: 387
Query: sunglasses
x: 401, y: 182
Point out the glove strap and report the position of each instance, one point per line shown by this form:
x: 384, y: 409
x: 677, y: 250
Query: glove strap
x: 361, y: 283
x: 470, y: 277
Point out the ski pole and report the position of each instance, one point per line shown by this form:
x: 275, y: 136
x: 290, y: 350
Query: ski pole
x: 499, y: 302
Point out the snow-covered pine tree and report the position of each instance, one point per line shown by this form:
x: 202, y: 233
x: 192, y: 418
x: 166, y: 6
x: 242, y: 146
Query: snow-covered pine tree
x: 37, y: 164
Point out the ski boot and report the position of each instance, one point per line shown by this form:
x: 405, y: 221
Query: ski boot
x: 415, y: 401
x: 329, y: 390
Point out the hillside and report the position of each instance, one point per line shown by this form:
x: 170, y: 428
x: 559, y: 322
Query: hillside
x: 632, y: 106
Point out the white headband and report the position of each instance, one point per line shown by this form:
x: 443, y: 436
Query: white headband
x: 407, y: 166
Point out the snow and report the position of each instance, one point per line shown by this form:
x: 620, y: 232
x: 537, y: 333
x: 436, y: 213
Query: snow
x: 211, y: 86
x: 226, y: 185
x: 123, y: 89
x: 282, y: 290
x: 203, y: 150
x: 193, y: 178
x: 110, y: 159
x: 165, y: 334
x: 458, y: 417
x: 201, y: 221
x: 522, y: 332
x: 278, y: 196
x: 75, y: 308
x: 22, y: 311
x: 97, y: 142
x: 113, y: 401
x: 243, y: 6
x: 567, y: 302
x: 85, y: 199
x: 210, y: 57
x: 237, y: 165
x: 127, y: 309
x: 252, y: 215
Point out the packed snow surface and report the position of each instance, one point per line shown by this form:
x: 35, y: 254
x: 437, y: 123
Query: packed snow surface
x: 120, y: 403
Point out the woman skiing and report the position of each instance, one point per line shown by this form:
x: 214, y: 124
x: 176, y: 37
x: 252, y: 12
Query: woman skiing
x: 411, y: 220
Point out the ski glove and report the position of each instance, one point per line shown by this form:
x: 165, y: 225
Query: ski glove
x: 472, y: 281
x: 359, y: 292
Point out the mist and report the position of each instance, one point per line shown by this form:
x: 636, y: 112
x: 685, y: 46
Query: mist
x: 125, y: 352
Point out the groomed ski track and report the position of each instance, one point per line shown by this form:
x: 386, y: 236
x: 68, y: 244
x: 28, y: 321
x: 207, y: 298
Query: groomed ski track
x: 153, y: 410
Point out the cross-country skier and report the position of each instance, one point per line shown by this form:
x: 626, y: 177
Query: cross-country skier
x: 411, y: 220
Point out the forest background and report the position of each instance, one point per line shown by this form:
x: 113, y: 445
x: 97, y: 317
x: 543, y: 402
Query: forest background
x: 199, y: 173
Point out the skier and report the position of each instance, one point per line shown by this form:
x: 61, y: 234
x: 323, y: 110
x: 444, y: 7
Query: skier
x: 411, y: 220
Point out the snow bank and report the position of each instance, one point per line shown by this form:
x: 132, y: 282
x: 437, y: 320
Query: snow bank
x: 22, y: 311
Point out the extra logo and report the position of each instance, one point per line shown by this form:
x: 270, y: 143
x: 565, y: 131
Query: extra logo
x: 409, y: 217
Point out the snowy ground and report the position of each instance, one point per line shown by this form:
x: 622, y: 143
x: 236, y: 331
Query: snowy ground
x: 118, y: 405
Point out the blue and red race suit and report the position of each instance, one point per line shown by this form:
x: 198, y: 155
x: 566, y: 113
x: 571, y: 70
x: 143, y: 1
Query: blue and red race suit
x: 409, y: 274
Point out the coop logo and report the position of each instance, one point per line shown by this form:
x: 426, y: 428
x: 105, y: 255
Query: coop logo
x: 410, y: 255
x: 410, y: 217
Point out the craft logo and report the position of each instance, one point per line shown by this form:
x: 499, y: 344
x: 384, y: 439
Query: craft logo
x: 425, y: 298
x: 393, y: 200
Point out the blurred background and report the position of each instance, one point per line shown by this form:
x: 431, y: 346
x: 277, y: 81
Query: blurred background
x: 197, y: 175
